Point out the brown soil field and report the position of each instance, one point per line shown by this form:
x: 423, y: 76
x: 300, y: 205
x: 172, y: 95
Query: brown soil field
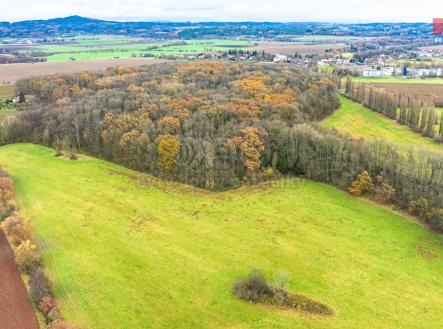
x: 426, y: 92
x: 437, y: 47
x: 14, y: 72
x: 16, y: 311
x: 288, y: 48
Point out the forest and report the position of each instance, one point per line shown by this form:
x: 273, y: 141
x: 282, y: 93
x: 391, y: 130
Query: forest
x: 194, y: 30
x: 221, y: 125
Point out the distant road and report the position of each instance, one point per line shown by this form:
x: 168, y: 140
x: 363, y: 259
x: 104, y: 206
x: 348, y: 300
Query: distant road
x: 14, y: 72
x: 16, y: 311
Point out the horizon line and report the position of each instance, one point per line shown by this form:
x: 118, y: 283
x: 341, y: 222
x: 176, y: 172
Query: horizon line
x: 135, y: 19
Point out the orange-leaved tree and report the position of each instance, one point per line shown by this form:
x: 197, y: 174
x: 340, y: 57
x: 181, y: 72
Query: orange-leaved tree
x: 168, y: 150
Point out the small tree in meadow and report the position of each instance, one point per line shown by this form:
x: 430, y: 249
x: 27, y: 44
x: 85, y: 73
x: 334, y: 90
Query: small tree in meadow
x: 252, y: 288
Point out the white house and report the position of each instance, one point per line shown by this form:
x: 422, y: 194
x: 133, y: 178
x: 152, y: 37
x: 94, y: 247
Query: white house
x: 280, y: 58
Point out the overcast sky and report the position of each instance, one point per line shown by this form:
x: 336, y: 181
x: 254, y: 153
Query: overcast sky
x: 227, y: 10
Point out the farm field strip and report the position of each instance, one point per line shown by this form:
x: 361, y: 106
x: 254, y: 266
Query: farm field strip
x: 424, y: 91
x: 290, y: 48
x: 400, y: 80
x: 90, y: 50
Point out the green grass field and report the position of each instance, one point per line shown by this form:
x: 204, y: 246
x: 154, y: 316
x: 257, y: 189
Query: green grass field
x: 4, y: 113
x: 6, y: 91
x: 125, y: 250
x: 107, y: 48
x: 360, y: 122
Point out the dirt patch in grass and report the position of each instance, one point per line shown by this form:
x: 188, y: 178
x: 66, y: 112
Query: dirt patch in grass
x: 138, y: 224
x: 426, y: 253
x: 300, y: 303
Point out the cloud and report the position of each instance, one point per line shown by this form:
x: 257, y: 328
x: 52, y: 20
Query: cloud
x: 226, y: 10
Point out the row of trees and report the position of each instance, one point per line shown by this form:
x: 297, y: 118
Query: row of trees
x: 405, y: 109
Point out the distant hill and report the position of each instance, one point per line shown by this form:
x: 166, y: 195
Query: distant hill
x: 164, y: 30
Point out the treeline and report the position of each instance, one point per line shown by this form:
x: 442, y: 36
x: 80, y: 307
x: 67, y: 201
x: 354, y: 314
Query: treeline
x: 405, y: 109
x: 9, y: 55
x: 219, y: 125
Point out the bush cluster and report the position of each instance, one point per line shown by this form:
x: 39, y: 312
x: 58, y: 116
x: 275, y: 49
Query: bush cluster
x: 433, y: 217
x: 7, y: 204
x: 365, y: 185
x: 40, y: 287
x: 254, y: 288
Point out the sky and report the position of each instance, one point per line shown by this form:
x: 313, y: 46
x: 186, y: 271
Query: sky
x: 227, y: 10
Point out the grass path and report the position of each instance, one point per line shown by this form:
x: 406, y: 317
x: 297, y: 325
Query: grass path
x: 125, y: 250
x: 360, y: 122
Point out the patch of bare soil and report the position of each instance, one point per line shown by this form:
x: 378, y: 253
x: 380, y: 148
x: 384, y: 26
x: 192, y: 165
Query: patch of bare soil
x: 426, y: 253
x: 16, y: 311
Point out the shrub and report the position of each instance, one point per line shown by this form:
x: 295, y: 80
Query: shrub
x: 54, y: 316
x: 362, y: 185
x: 27, y: 257
x: 16, y: 230
x: 252, y: 288
x: 384, y: 192
x: 6, y: 189
x: 39, y: 286
x: 46, y: 304
x: 420, y: 208
x: 7, y: 210
x: 436, y: 220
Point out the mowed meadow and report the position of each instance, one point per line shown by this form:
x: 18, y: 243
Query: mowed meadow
x: 360, y: 122
x: 125, y: 250
x: 6, y: 91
